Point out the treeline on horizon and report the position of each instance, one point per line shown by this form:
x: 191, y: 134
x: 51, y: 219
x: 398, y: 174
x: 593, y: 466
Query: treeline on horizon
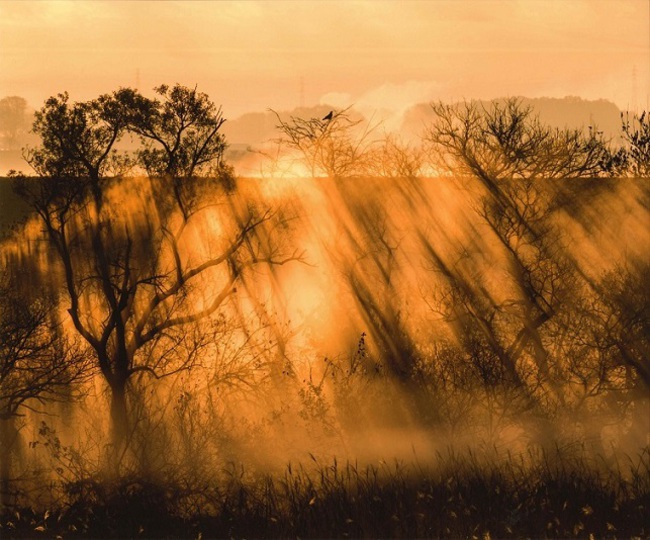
x: 255, y: 129
x: 484, y: 288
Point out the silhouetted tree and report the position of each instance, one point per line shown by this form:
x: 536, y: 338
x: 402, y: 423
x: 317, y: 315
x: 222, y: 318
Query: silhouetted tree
x: 623, y: 321
x: 132, y: 292
x: 37, y: 363
x: 513, y: 156
x: 78, y: 140
x: 636, y: 150
x: 332, y: 147
x: 548, y: 314
x: 181, y: 136
x: 392, y: 158
x: 507, y: 142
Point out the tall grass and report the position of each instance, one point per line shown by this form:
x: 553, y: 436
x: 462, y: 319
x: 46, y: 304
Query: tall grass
x: 539, y: 495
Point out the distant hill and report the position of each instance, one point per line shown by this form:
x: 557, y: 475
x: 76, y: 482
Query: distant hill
x: 568, y: 112
x: 254, y: 129
x: 259, y: 127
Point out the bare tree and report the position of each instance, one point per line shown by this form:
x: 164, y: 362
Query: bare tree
x: 634, y: 159
x: 513, y: 157
x: 622, y: 321
x: 37, y: 362
x: 393, y: 158
x: 543, y: 321
x: 506, y: 141
x: 332, y: 146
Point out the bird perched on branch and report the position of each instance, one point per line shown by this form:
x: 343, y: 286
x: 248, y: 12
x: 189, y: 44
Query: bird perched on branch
x: 328, y: 116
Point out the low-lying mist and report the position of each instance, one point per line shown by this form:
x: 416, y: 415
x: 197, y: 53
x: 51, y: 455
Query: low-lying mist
x: 288, y: 341
x: 352, y: 349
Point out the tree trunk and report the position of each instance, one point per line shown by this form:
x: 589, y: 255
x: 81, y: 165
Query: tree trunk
x: 8, y: 440
x: 638, y: 436
x: 119, y: 422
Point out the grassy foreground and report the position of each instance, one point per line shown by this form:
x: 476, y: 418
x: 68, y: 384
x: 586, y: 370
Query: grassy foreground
x: 460, y: 498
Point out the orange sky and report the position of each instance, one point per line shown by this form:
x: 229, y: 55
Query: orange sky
x: 252, y: 55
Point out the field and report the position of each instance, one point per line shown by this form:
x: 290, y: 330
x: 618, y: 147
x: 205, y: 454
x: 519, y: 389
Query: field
x: 351, y: 346
x: 534, y: 497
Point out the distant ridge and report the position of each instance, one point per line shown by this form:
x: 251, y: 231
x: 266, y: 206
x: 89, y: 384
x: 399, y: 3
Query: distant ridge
x: 254, y: 129
x: 259, y: 127
x: 568, y: 112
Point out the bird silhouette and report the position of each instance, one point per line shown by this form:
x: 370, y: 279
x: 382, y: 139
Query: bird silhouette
x: 328, y: 116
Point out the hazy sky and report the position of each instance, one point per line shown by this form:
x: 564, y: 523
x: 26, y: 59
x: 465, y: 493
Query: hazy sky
x: 253, y: 55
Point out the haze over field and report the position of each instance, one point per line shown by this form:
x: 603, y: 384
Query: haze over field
x: 325, y: 269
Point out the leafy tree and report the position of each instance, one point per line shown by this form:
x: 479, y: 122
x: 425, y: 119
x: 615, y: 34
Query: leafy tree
x: 78, y: 139
x: 134, y: 290
x: 182, y: 138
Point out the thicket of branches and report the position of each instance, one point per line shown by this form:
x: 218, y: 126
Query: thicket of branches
x: 550, y: 340
x: 120, y: 252
x: 144, y: 276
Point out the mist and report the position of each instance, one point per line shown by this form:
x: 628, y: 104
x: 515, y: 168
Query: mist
x: 368, y: 314
x: 325, y: 270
